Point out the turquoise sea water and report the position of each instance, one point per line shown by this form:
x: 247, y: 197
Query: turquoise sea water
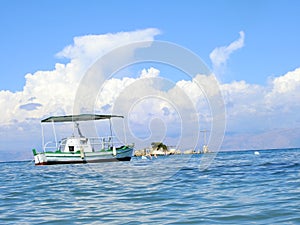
x: 227, y: 188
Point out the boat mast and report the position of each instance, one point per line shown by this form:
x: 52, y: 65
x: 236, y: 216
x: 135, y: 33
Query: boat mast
x: 78, y: 129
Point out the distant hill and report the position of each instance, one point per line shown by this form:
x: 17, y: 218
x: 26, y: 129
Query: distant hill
x: 278, y: 138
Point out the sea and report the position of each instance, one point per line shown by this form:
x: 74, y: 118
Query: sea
x: 236, y: 187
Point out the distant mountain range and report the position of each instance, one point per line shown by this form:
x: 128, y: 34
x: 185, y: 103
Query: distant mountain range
x: 277, y: 138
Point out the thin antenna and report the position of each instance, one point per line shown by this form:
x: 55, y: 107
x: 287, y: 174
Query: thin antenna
x: 204, y: 134
x: 205, y: 147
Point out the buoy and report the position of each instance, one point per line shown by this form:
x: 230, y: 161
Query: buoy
x: 256, y: 153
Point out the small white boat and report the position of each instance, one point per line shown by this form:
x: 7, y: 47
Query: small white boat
x: 81, y: 149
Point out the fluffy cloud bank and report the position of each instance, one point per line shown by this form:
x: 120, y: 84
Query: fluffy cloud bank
x: 267, y: 115
x: 52, y: 92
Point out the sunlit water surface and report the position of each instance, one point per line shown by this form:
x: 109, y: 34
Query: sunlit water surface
x: 229, y: 188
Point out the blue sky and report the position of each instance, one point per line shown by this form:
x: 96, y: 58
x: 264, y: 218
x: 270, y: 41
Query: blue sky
x: 263, y: 66
x: 34, y: 31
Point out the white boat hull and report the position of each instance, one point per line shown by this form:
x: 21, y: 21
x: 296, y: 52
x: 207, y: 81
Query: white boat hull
x: 50, y: 158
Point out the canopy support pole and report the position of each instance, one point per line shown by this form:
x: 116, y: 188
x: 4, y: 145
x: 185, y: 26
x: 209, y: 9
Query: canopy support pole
x: 111, y: 134
x: 43, y: 138
x: 54, y: 131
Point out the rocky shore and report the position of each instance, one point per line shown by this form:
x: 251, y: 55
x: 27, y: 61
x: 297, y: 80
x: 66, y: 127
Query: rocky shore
x: 168, y: 151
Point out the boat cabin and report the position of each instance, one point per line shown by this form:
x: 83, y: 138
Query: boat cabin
x: 75, y: 144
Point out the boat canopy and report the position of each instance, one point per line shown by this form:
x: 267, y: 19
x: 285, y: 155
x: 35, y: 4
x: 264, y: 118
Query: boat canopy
x: 81, y: 117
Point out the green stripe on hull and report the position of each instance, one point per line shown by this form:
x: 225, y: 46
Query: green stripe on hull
x: 49, y: 158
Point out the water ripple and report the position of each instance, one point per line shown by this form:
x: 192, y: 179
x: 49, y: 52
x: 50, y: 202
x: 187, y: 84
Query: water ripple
x: 238, y: 187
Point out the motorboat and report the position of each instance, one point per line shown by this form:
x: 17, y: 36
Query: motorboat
x: 77, y: 148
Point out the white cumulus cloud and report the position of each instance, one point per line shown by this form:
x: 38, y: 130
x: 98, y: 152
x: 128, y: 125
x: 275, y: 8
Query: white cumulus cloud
x: 256, y: 109
x: 54, y: 91
x: 220, y: 55
x: 290, y: 82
